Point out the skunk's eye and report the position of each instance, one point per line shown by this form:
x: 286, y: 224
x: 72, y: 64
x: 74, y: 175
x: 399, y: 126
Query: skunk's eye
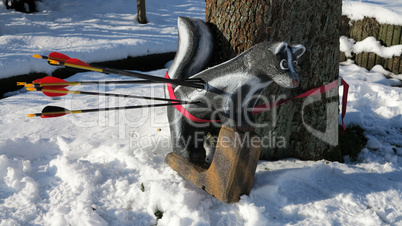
x: 284, y: 64
x: 295, y: 63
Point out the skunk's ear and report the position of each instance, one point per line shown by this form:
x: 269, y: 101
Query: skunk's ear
x: 298, y: 50
x: 280, y: 48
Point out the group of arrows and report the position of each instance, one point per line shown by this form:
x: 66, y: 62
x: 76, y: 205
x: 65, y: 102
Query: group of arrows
x: 55, y: 87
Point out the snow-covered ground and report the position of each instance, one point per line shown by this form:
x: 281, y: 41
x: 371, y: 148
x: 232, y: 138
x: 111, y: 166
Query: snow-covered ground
x: 385, y: 11
x: 92, y: 31
x: 107, y: 168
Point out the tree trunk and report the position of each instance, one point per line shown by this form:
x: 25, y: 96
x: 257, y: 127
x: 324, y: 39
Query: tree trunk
x: 141, y: 12
x: 305, y: 128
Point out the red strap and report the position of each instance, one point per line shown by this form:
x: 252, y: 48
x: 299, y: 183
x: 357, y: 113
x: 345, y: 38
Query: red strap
x: 180, y: 107
x: 312, y: 92
x: 269, y: 106
x: 344, y: 101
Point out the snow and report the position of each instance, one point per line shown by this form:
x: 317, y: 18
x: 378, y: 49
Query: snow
x: 384, y: 11
x: 375, y: 75
x: 92, y: 31
x: 108, y: 168
x: 368, y: 45
x: 371, y: 45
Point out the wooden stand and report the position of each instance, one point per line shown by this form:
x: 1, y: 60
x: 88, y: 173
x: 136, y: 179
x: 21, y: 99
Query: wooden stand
x: 231, y: 173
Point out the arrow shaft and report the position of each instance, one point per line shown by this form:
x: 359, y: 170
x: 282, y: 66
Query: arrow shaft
x: 39, y: 84
x: 199, y: 84
x: 82, y: 67
x: 108, y: 94
x: 58, y: 113
x: 64, y: 60
x: 126, y: 107
x: 154, y: 78
x: 55, y: 113
x: 137, y: 75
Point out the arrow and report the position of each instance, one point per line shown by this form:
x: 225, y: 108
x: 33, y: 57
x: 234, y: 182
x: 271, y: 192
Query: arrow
x: 54, y: 111
x: 60, y: 59
x: 53, y: 81
x: 55, y: 56
x: 24, y: 83
x: 52, y: 91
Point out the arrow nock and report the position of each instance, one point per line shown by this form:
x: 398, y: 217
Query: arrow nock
x: 55, y: 62
x: 37, y: 56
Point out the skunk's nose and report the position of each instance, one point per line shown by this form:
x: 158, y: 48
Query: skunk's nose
x: 295, y: 82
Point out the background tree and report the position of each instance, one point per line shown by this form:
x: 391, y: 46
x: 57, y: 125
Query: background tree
x: 141, y: 12
x: 308, y: 127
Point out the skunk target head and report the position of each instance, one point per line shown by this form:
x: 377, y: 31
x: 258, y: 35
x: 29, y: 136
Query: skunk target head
x: 286, y: 64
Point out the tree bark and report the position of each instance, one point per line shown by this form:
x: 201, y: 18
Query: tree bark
x: 141, y: 12
x: 306, y: 128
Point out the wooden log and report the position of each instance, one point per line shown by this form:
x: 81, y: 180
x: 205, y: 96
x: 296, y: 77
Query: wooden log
x: 396, y: 38
x: 365, y: 28
x: 390, y: 31
x: 386, y: 64
x: 358, y: 59
x: 356, y: 31
x: 371, y: 60
x: 342, y: 57
x: 365, y: 59
x: 379, y: 61
x: 382, y: 36
x: 388, y: 42
x: 370, y: 27
x: 388, y: 35
x: 400, y: 65
x: 345, y: 27
x: 396, y: 65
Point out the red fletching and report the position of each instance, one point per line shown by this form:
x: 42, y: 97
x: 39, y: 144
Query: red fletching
x: 50, y: 79
x: 37, y: 80
x: 77, y: 62
x: 59, y: 56
x: 58, y: 111
x: 54, y: 94
x: 66, y: 59
x: 53, y: 115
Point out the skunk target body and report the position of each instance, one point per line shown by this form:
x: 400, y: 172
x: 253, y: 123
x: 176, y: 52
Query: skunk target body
x: 231, y: 88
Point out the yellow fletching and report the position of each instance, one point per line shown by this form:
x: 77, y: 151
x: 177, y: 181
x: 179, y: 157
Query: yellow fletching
x: 29, y: 85
x: 53, y: 62
x: 31, y: 89
x: 37, y: 56
x: 30, y: 115
x: 21, y: 83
